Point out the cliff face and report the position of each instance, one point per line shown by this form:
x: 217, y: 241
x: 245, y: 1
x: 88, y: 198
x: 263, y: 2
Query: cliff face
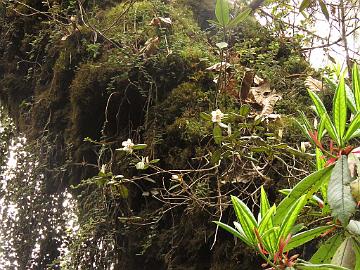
x: 79, y: 86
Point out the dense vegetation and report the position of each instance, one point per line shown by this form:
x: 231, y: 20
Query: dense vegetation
x: 133, y: 122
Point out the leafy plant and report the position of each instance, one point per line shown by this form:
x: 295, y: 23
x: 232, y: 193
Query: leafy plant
x: 274, y: 233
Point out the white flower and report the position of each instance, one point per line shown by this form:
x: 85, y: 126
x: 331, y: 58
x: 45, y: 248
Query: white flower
x: 143, y: 164
x: 175, y: 177
x: 103, y: 168
x: 128, y: 146
x: 216, y: 116
x: 304, y: 146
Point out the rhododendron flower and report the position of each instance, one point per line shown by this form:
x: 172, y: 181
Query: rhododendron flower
x: 217, y: 116
x: 127, y: 146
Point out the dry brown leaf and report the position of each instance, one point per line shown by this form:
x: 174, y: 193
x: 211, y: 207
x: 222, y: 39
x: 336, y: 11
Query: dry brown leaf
x: 219, y: 66
x: 269, y: 104
x: 161, y: 21
x: 265, y: 97
x: 314, y: 84
x: 258, y: 80
x: 150, y: 46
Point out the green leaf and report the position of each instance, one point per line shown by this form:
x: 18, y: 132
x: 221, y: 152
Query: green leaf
x: 222, y: 12
x: 354, y: 126
x: 309, y: 185
x: 156, y: 160
x: 321, y: 128
x: 339, y: 109
x: 265, y: 225
x: 234, y: 232
x: 324, y: 9
x: 217, y: 134
x: 305, y: 120
x: 242, y: 16
x: 291, y: 217
x: 327, y: 250
x: 266, y: 222
x: 269, y: 238
x: 339, y: 198
x: 356, y: 134
x: 139, y: 146
x: 264, y: 203
x: 245, y: 218
x: 322, y: 113
x: 304, y: 237
x: 345, y: 255
x: 245, y: 110
x: 320, y: 161
x: 205, y: 116
x: 356, y: 85
x: 309, y: 266
x: 304, y: 4
x: 123, y: 191
x: 314, y: 200
x: 350, y: 100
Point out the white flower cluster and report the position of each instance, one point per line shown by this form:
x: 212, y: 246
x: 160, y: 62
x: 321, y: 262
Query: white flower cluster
x: 127, y: 146
x: 217, y: 116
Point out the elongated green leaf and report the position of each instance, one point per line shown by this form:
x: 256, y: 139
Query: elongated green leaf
x: 306, y: 236
x: 356, y: 85
x: 356, y: 134
x: 222, y: 12
x: 217, y: 133
x: 309, y: 185
x: 234, y: 232
x: 305, y: 120
x: 264, y: 202
x: 345, y: 254
x: 139, y: 146
x: 245, y: 218
x: 327, y: 250
x: 321, y: 128
x: 291, y: 217
x: 205, y: 116
x: 307, y: 266
x: 320, y: 161
x: 339, y: 108
x: 314, y: 200
x: 304, y: 4
x: 354, y: 126
x: 270, y: 239
x: 322, y: 113
x: 266, y: 222
x: 304, y: 130
x: 340, y: 199
x: 350, y: 100
x: 324, y: 9
x: 242, y: 16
